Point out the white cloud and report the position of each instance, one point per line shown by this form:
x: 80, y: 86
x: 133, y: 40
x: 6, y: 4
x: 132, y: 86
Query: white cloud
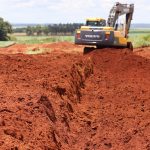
x: 66, y: 10
x: 30, y: 3
x: 72, y: 5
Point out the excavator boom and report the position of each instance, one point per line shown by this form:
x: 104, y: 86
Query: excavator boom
x: 118, y: 10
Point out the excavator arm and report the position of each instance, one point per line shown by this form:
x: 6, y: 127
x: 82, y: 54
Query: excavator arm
x: 118, y: 10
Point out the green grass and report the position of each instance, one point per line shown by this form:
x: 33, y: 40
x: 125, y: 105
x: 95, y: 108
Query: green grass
x: 140, y: 37
x: 40, y: 39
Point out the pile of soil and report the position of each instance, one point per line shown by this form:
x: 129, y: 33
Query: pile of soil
x: 48, y: 48
x: 72, y: 101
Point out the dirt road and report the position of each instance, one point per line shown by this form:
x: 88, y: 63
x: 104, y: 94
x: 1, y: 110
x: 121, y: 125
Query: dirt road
x: 65, y: 100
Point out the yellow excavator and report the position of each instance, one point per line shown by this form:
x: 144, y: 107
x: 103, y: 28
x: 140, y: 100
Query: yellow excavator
x: 101, y: 33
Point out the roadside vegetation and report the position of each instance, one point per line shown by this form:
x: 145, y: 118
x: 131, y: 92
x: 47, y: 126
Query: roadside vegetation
x: 40, y: 39
x: 140, y: 37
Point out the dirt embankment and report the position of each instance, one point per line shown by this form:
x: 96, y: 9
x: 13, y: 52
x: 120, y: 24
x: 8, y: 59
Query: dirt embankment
x: 69, y: 101
x: 41, y: 48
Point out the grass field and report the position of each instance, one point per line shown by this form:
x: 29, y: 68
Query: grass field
x: 41, y: 39
x: 139, y: 38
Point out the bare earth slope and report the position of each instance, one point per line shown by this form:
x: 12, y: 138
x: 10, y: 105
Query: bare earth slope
x: 71, y: 101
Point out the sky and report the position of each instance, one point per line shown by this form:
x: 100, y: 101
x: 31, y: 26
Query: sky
x: 66, y: 11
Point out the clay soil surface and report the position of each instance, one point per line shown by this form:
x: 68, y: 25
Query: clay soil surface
x: 64, y: 100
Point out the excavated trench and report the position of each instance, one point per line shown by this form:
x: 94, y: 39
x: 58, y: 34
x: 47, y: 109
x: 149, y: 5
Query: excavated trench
x: 69, y: 101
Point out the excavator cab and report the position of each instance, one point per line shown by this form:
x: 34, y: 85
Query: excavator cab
x: 96, y: 22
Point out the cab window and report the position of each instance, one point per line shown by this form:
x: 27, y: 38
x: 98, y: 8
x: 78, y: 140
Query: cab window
x: 96, y: 23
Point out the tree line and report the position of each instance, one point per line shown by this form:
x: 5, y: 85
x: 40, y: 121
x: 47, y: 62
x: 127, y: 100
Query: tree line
x: 51, y: 29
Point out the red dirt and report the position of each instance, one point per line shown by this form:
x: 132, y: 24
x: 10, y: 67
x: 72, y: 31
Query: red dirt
x: 144, y: 52
x: 70, y: 101
x: 23, y: 48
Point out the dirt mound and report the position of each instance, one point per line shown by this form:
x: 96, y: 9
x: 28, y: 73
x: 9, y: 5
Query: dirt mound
x: 14, y: 49
x: 42, y: 48
x: 144, y: 52
x: 69, y: 101
x: 61, y: 45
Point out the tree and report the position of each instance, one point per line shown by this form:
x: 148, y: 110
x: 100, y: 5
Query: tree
x: 51, y: 29
x: 45, y: 30
x: 38, y: 29
x: 5, y: 28
x: 29, y: 31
